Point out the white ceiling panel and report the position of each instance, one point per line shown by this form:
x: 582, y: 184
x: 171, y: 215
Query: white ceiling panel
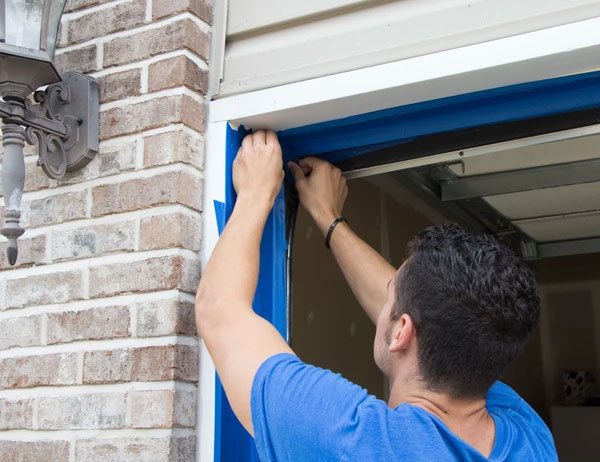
x: 550, y: 201
x: 563, y: 227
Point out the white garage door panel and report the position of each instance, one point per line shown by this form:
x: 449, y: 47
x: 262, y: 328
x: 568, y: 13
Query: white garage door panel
x: 288, y: 47
x: 556, y: 152
x: 551, y: 201
x: 562, y: 228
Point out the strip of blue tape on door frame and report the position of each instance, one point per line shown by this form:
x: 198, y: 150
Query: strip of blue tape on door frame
x: 232, y: 441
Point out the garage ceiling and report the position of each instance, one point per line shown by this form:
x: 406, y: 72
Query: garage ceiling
x: 549, y: 192
x: 541, y: 198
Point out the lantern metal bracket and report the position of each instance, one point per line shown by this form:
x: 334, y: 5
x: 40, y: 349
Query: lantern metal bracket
x: 63, y: 120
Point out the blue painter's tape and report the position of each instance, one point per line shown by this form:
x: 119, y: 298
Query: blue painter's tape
x: 270, y: 298
x: 352, y: 136
x: 232, y: 441
x: 222, y: 212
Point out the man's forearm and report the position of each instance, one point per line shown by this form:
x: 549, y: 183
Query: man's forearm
x: 229, y: 279
x: 239, y: 340
x: 365, y: 270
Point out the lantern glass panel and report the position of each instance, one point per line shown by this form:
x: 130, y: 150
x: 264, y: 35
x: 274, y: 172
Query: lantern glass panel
x: 24, y: 23
x: 56, y: 9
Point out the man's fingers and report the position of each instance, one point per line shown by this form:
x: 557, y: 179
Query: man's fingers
x: 247, y: 142
x: 271, y: 137
x: 259, y: 137
x: 305, y: 168
x: 297, y: 171
x: 311, y: 162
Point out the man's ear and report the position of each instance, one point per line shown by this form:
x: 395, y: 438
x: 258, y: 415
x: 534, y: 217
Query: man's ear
x: 403, y: 333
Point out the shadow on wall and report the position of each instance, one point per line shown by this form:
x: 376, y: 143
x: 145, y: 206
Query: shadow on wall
x: 329, y: 327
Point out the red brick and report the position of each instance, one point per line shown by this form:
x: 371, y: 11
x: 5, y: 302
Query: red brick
x: 177, y: 362
x: 32, y: 251
x: 178, y: 35
x: 78, y: 60
x: 193, y: 114
x: 58, y: 208
x: 91, y: 241
x: 101, y: 23
x: 171, y: 147
x: 20, y: 332
x: 171, y: 230
x: 44, y: 289
x: 165, y: 317
x: 135, y: 194
x: 119, y: 85
x: 34, y: 451
x: 141, y: 193
x: 201, y: 8
x: 107, y: 366
x: 176, y: 72
x: 190, y: 191
x: 157, y: 363
x: 160, y: 273
x: 73, y: 5
x: 33, y: 371
x: 16, y: 414
x: 91, y: 324
x: 89, y: 411
x: 151, y: 114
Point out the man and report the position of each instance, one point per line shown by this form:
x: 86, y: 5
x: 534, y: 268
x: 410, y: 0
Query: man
x: 449, y: 322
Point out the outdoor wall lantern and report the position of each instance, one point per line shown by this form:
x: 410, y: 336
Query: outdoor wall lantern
x: 62, y: 119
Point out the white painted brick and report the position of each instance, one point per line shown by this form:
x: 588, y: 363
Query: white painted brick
x: 20, y: 332
x: 98, y: 410
x: 89, y: 241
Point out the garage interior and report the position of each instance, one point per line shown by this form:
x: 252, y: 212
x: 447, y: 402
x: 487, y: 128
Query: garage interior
x: 541, y: 199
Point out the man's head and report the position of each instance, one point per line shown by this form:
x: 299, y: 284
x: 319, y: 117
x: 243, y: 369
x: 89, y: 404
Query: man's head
x: 467, y: 305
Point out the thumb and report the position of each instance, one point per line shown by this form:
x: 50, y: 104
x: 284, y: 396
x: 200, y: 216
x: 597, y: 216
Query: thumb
x: 297, y: 171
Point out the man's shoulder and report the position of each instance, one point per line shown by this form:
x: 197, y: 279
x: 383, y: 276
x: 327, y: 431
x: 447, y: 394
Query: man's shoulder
x: 526, y: 427
x: 502, y: 397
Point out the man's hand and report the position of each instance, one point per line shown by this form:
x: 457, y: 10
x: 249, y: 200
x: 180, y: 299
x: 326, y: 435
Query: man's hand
x: 321, y: 188
x: 258, y: 169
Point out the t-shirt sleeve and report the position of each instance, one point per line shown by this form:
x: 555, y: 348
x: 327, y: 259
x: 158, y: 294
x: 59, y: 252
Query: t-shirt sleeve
x: 302, y: 412
x: 531, y: 426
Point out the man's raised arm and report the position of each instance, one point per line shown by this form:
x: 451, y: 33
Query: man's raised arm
x: 239, y: 340
x: 323, y: 193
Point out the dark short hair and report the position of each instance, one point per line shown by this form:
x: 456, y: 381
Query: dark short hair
x: 473, y: 303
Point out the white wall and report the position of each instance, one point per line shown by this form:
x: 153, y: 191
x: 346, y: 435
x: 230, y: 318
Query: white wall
x: 570, y: 331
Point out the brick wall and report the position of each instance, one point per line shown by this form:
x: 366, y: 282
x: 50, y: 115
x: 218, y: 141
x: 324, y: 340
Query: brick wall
x: 98, y: 348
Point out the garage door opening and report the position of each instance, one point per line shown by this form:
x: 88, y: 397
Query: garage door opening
x: 542, y: 197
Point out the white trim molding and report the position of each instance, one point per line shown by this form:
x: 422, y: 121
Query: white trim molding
x: 548, y: 53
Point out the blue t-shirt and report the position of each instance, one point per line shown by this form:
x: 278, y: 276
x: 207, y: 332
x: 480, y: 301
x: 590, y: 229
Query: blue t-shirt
x: 303, y: 413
